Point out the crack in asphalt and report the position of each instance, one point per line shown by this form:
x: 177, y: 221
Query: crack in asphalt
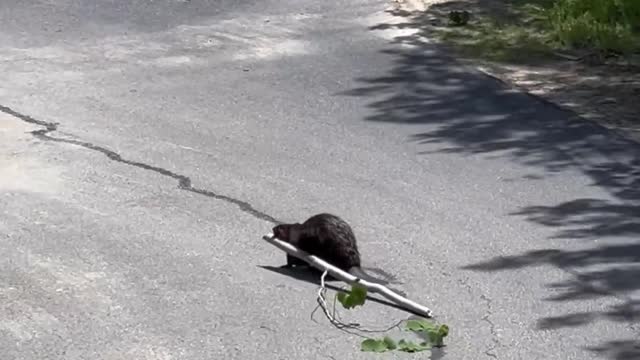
x: 184, y: 182
x: 492, y: 328
x: 486, y: 318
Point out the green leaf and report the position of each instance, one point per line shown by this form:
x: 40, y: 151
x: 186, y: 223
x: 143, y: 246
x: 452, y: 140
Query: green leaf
x: 355, y: 298
x: 419, y: 325
x: 359, y: 294
x: 435, y: 333
x: 391, y: 344
x: 345, y: 300
x: 443, y: 330
x: 437, y: 336
x: 373, y: 345
x: 410, y: 346
x: 342, y: 297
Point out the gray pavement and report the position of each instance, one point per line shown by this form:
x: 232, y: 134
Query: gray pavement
x: 146, y: 146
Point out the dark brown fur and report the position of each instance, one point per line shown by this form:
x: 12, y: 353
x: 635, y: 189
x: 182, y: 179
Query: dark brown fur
x: 328, y: 237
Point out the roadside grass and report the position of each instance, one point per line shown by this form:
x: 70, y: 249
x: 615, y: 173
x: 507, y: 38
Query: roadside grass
x: 527, y: 31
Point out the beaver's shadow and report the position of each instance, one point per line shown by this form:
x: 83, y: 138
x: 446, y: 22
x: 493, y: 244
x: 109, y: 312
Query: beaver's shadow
x: 312, y: 275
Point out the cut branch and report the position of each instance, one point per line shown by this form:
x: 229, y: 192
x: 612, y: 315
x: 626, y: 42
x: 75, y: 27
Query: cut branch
x: 322, y: 265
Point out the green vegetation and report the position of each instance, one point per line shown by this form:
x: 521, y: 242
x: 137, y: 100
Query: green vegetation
x: 525, y: 30
x: 432, y: 333
x: 606, y: 25
x: 355, y: 298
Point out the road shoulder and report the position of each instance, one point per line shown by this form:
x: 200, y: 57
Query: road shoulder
x: 603, y: 93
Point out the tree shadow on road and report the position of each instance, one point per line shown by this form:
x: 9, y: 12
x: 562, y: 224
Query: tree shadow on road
x: 511, y: 37
x: 465, y: 112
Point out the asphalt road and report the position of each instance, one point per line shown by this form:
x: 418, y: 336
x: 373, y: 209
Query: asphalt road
x: 146, y: 147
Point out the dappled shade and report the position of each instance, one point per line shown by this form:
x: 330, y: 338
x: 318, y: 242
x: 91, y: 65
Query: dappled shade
x: 467, y: 112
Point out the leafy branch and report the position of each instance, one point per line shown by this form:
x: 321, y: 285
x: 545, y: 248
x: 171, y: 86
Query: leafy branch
x: 429, y: 330
x: 357, y: 296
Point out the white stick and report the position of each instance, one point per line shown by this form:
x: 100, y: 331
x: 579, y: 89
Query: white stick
x: 348, y: 278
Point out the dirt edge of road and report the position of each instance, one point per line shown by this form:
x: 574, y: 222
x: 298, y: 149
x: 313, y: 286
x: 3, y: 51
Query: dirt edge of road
x: 566, y: 84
